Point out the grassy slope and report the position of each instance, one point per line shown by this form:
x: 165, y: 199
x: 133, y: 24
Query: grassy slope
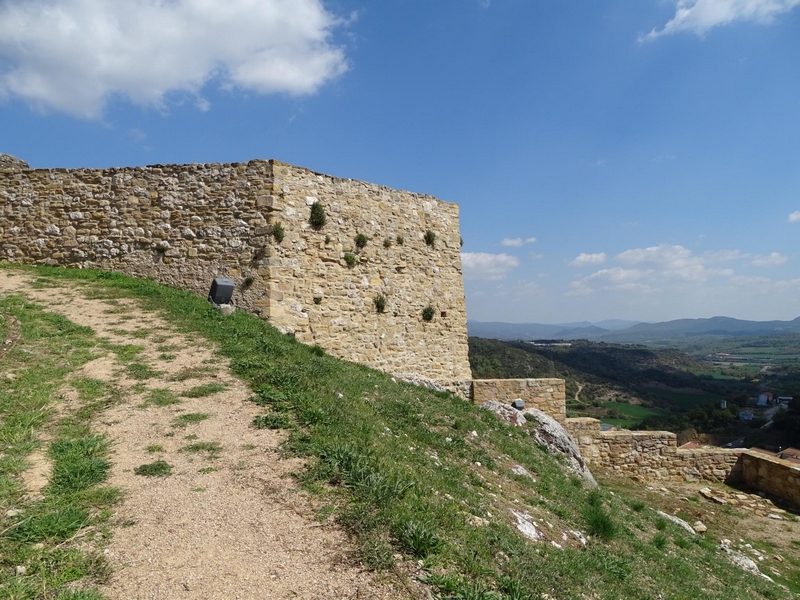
x: 401, y: 470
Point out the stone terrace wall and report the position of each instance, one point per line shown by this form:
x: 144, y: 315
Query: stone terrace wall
x: 182, y: 225
x: 548, y: 395
x: 776, y: 477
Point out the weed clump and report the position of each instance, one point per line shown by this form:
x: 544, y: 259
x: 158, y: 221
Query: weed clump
x: 427, y: 314
x: 430, y: 238
x: 380, y: 303
x: 360, y: 240
x: 349, y: 258
x: 201, y: 391
x: 272, y: 421
x: 278, y: 232
x: 160, y: 468
x: 598, y: 522
x: 317, y: 219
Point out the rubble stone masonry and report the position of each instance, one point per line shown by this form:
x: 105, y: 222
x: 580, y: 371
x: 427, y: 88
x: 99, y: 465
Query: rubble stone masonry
x: 548, y: 395
x: 182, y: 225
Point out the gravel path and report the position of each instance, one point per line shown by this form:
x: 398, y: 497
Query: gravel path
x: 228, y: 522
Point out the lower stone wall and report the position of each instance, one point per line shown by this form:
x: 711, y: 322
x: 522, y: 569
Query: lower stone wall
x: 547, y: 395
x: 773, y: 476
x: 651, y: 455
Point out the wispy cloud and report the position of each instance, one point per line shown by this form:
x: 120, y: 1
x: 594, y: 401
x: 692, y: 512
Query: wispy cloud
x: 794, y: 217
x: 482, y: 265
x: 517, y: 242
x: 588, y: 260
x: 73, y: 55
x: 773, y: 259
x: 700, y: 16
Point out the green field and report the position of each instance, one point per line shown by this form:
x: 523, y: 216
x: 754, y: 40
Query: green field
x: 635, y: 414
x: 682, y: 399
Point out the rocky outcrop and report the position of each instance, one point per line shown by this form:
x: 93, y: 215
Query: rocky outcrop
x: 12, y: 162
x: 547, y: 432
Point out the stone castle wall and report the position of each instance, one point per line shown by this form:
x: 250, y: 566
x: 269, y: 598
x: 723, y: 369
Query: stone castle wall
x: 547, y: 395
x: 182, y: 225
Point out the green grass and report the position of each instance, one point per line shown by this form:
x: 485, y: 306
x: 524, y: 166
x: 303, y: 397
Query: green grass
x: 207, y: 389
x: 189, y: 419
x: 397, y: 463
x: 161, y: 397
x: 158, y: 468
x: 74, y: 503
x: 141, y: 371
x: 272, y: 421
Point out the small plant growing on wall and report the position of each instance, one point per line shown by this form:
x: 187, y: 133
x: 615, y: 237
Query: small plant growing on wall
x: 318, y: 217
x: 427, y: 314
x: 360, y: 240
x: 387, y: 243
x: 380, y: 303
x: 317, y: 299
x: 349, y: 258
x: 278, y: 232
x: 430, y: 238
x: 327, y: 239
x: 400, y: 240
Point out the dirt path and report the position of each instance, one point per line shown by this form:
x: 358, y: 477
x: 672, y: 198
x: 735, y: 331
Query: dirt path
x: 229, y: 521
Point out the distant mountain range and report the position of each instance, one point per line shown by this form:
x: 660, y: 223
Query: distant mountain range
x: 621, y: 331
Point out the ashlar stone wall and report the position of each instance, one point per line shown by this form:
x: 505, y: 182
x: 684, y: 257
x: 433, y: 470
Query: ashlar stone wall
x: 182, y: 225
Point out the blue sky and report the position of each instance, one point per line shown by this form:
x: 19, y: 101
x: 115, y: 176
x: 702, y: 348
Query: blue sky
x: 634, y: 159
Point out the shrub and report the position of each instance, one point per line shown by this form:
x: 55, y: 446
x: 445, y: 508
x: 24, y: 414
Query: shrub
x: 349, y: 258
x: 430, y: 238
x: 317, y: 217
x: 380, y: 303
x: 278, y: 232
x: 159, y: 468
x: 399, y: 240
x: 360, y: 240
x: 427, y: 314
x: 387, y: 243
x: 327, y: 239
x: 317, y: 299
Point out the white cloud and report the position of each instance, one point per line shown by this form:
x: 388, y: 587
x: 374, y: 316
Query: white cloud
x: 674, y: 262
x: 619, y: 275
x: 481, y: 265
x: 794, y: 217
x: 74, y: 55
x: 579, y: 288
x: 699, y: 16
x: 773, y: 259
x: 517, y: 242
x: 584, y: 260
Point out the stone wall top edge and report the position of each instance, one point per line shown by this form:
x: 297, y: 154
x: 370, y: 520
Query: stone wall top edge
x: 625, y: 433
x: 710, y: 451
x: 199, y: 166
x: 335, y: 179
x: 138, y: 168
x: 487, y: 381
x: 772, y: 459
